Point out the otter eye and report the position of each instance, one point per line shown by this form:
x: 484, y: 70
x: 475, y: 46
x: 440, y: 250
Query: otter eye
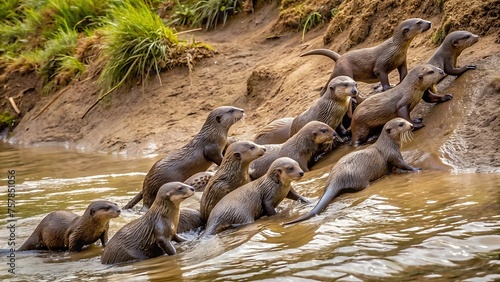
x: 323, y: 130
x: 419, y: 22
x: 345, y: 85
x: 400, y: 124
x: 180, y: 188
x: 252, y: 148
x: 430, y: 72
x: 290, y: 168
x: 467, y: 37
x: 231, y: 111
x: 406, y: 30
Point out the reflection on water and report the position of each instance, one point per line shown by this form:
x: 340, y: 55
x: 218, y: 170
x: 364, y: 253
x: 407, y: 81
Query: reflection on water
x: 413, y: 226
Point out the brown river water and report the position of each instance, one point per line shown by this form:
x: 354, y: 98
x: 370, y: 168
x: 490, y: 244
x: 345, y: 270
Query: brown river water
x: 431, y: 225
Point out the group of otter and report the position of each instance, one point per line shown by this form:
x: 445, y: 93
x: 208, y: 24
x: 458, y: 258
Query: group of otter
x: 253, y: 177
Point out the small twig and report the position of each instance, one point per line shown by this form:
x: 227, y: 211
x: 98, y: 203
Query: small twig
x: 13, y: 103
x: 50, y: 103
x: 187, y: 31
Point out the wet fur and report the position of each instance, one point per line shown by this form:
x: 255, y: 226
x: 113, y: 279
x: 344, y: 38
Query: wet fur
x: 357, y: 169
x: 232, y: 173
x: 150, y: 235
x: 196, y: 156
x: 255, y: 199
x: 276, y: 132
x: 64, y: 230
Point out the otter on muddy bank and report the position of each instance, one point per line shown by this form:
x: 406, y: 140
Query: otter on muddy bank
x: 255, y: 199
x: 445, y: 58
x: 232, y: 173
x: 150, y: 235
x: 64, y: 230
x: 196, y: 156
x: 276, y: 132
x: 375, y: 63
x: 331, y: 107
x: 355, y: 170
x: 399, y: 101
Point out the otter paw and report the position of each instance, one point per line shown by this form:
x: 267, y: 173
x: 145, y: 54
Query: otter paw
x: 418, y: 120
x: 417, y: 126
x: 446, y: 97
x: 471, y: 67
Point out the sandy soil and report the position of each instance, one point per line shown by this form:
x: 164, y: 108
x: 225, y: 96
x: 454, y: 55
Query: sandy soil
x: 259, y: 69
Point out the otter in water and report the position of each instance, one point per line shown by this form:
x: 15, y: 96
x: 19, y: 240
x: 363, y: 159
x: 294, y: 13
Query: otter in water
x: 64, y: 230
x: 357, y: 169
x: 150, y: 235
x: 196, y: 156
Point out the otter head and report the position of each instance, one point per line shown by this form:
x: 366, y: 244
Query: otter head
x: 103, y: 210
x: 175, y: 192
x: 319, y: 132
x: 460, y: 40
x: 428, y: 75
x: 411, y: 27
x: 284, y: 170
x: 343, y: 86
x: 246, y: 151
x: 398, y: 128
x: 226, y: 116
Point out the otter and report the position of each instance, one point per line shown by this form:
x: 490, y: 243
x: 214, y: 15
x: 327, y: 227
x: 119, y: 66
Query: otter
x: 189, y: 219
x: 232, y: 173
x: 445, y: 58
x: 196, y: 156
x: 301, y: 147
x: 357, y: 169
x: 199, y: 180
x: 64, y: 230
x: 276, y: 132
x: 375, y: 63
x: 399, y: 101
x: 150, y: 235
x: 254, y: 199
x: 331, y: 107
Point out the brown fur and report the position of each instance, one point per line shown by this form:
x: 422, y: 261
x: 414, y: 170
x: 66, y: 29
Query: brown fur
x: 196, y: 156
x: 331, y: 107
x: 375, y: 63
x: 355, y: 170
x: 276, y: 132
x: 255, y: 199
x: 399, y: 101
x: 301, y: 147
x: 189, y: 219
x: 199, y: 180
x: 64, y: 230
x: 446, y: 57
x: 150, y: 235
x: 232, y: 173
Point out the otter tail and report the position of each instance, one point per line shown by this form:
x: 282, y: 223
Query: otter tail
x: 330, y: 193
x: 133, y: 202
x: 325, y: 52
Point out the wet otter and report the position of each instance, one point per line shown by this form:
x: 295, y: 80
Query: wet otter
x: 232, y: 173
x: 331, y: 107
x: 276, y: 132
x: 150, y: 235
x: 445, y: 58
x: 355, y: 170
x: 301, y: 147
x: 375, y: 63
x: 254, y: 199
x: 378, y: 109
x: 196, y: 156
x: 199, y: 180
x: 64, y: 230
x: 189, y: 219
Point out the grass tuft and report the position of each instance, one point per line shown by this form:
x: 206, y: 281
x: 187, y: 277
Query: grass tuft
x: 211, y: 12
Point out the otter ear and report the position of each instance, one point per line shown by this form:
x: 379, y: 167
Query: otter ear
x: 421, y: 76
x: 314, y: 133
x: 237, y: 156
x: 218, y: 118
x: 92, y: 211
x: 388, y: 131
x: 454, y: 42
x: 275, y: 176
x: 332, y: 88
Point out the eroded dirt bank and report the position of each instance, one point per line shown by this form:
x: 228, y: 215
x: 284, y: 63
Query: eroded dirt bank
x: 259, y: 69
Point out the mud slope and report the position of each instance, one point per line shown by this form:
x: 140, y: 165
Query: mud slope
x: 261, y: 71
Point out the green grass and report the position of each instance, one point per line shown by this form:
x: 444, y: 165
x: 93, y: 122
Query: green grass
x: 209, y: 13
x: 312, y: 20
